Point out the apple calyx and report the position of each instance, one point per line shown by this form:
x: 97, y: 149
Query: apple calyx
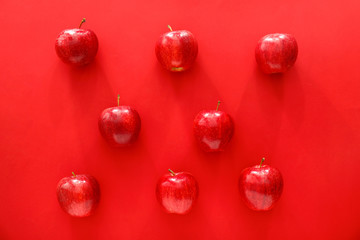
x: 171, y: 172
x: 73, y: 174
x: 262, y: 160
x: 217, y: 107
x: 118, y: 99
x: 169, y: 27
x: 82, y: 21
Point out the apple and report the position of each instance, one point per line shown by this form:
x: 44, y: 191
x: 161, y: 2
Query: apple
x: 78, y: 195
x: 77, y: 46
x: 177, y: 192
x: 260, y: 186
x: 176, y: 50
x: 213, y: 129
x: 276, y: 53
x: 120, y: 126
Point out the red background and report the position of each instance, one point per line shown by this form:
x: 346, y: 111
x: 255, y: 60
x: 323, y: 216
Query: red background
x: 305, y: 122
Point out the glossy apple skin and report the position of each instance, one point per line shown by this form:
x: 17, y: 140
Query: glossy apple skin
x: 213, y: 130
x: 120, y: 126
x: 176, y: 50
x: 76, y: 46
x: 177, y: 194
x: 78, y: 196
x: 260, y: 187
x: 276, y: 53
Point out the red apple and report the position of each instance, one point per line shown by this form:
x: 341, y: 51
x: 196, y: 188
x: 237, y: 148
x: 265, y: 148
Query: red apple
x: 260, y: 186
x: 213, y: 129
x: 176, y: 50
x: 77, y: 46
x: 78, y: 195
x: 120, y: 126
x: 177, y: 192
x: 276, y: 53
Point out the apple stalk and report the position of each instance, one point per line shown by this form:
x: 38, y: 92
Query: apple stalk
x: 262, y: 160
x: 217, y: 107
x: 82, y: 21
x: 171, y: 172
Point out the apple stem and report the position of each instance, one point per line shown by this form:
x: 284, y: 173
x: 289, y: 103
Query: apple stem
x: 82, y: 21
x: 73, y: 174
x: 262, y: 160
x: 118, y: 99
x: 171, y: 172
x: 169, y: 27
x: 217, y: 108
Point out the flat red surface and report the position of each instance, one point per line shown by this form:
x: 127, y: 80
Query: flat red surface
x: 305, y: 122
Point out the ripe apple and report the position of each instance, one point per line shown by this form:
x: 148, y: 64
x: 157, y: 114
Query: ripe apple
x: 213, y: 129
x: 78, y: 195
x: 276, y: 53
x: 177, y: 192
x: 176, y: 50
x: 120, y: 126
x: 76, y: 46
x: 260, y: 186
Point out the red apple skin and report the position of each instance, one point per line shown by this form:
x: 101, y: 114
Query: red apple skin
x: 78, y: 195
x: 276, y: 53
x: 177, y: 193
x: 213, y: 130
x: 76, y: 46
x: 120, y: 126
x: 176, y: 50
x: 260, y: 187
